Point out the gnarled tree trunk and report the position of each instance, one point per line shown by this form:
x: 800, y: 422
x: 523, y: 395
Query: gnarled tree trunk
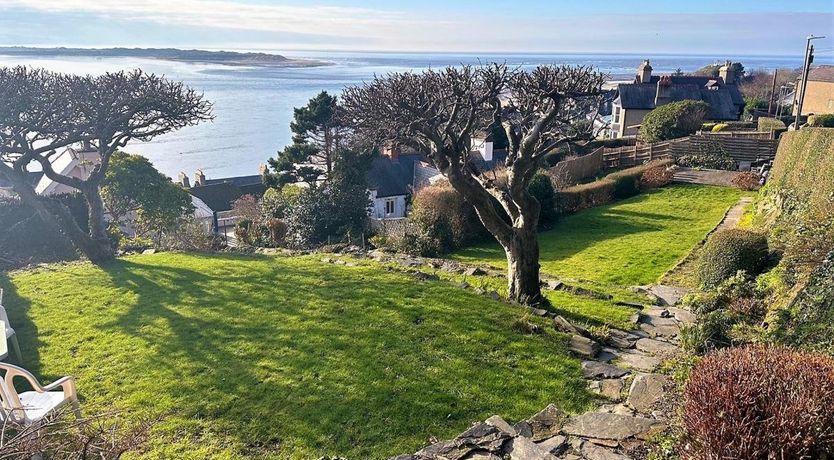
x: 99, y: 243
x: 523, y: 267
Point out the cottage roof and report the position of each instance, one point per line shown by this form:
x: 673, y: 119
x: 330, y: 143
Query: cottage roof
x: 725, y: 100
x: 219, y: 194
x: 392, y: 177
x: 823, y: 73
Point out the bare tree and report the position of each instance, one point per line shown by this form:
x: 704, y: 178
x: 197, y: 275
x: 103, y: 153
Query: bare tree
x: 438, y: 112
x: 42, y: 113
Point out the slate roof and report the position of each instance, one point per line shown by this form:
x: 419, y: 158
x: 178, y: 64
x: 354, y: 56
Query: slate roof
x: 393, y: 177
x: 823, y: 73
x: 219, y: 194
x: 725, y: 100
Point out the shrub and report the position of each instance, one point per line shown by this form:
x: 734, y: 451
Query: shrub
x: 719, y: 127
x: 760, y: 403
x: 542, y: 189
x: 729, y: 251
x: 708, y: 126
x: 710, y: 332
x: 766, y: 124
x: 25, y: 238
x: 673, y: 120
x: 443, y: 220
x: 656, y: 176
x: 585, y: 196
x: 276, y: 201
x: 625, y: 186
x: 825, y: 120
x: 746, y: 181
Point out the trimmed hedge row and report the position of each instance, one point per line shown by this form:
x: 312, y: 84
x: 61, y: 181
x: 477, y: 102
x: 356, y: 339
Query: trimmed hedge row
x: 617, y: 185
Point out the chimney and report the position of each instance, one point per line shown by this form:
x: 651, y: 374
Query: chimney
x: 644, y: 72
x: 182, y: 179
x: 199, y: 178
x: 263, y: 170
x: 664, y: 91
x: 727, y: 73
x: 391, y: 151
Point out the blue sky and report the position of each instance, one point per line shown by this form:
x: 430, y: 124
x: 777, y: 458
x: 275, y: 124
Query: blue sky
x: 708, y: 26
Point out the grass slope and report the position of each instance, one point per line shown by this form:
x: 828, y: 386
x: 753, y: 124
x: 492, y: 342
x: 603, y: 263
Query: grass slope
x: 276, y: 357
x: 628, y: 242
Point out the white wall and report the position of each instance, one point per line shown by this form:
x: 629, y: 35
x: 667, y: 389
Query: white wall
x: 378, y: 208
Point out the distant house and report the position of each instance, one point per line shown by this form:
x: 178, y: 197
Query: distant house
x: 819, y: 95
x: 634, y: 100
x: 71, y: 162
x: 213, y: 198
x: 395, y: 176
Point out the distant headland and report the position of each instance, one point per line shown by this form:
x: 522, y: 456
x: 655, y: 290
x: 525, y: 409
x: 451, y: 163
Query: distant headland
x: 168, y: 54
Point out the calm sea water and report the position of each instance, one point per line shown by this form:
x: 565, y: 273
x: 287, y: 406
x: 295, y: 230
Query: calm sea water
x: 253, y: 105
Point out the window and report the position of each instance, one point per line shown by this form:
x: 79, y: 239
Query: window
x: 616, y: 114
x: 389, y: 207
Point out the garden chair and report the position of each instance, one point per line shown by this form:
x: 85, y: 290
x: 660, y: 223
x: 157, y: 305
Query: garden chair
x: 9, y: 332
x: 30, y: 407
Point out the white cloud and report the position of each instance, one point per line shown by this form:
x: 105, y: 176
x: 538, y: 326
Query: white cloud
x: 226, y: 14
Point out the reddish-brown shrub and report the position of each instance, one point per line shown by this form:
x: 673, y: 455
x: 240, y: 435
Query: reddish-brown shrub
x: 760, y: 403
x: 747, y: 306
x: 746, y: 181
x: 656, y: 176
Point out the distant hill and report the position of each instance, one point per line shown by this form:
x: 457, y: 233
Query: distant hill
x: 170, y: 54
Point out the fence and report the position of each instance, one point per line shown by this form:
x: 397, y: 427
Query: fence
x: 747, y: 147
x: 741, y: 134
x: 571, y: 171
x: 390, y: 227
x: 638, y: 154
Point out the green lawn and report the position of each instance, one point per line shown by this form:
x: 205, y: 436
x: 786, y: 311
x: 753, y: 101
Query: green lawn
x: 629, y: 242
x: 278, y: 357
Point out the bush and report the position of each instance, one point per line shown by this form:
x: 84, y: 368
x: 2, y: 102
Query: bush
x: 746, y: 181
x: 760, y: 403
x: 625, y: 186
x: 729, y: 251
x: 656, y: 176
x: 26, y: 239
x: 766, y: 124
x: 542, y: 189
x: 825, y: 120
x: 673, y: 120
x: 710, y: 332
x: 719, y: 127
x: 584, y: 196
x: 443, y: 221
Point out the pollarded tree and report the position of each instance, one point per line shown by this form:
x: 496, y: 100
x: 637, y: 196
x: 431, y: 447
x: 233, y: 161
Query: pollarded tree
x: 438, y: 112
x: 42, y: 113
x: 318, y: 139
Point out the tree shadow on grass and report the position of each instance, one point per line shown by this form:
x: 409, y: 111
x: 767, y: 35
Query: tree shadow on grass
x: 17, y: 308
x: 305, y: 358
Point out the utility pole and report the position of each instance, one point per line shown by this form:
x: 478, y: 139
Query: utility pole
x: 772, y: 93
x: 806, y: 68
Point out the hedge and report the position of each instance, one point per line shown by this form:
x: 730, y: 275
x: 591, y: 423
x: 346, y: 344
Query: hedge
x: 766, y: 124
x: 620, y: 184
x: 673, y: 120
x: 825, y: 120
x: 729, y: 251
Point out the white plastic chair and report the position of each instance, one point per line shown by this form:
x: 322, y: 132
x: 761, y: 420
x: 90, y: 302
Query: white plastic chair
x: 9, y: 332
x: 30, y: 407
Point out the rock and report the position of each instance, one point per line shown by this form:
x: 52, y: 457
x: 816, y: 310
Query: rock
x: 463, y: 285
x: 640, y: 361
x: 646, y: 390
x: 522, y: 448
x: 475, y: 271
x: 554, y: 445
x: 563, y: 325
x: 683, y: 315
x: 583, y: 346
x: 592, y: 452
x: 376, y: 254
x: 482, y: 456
x: 426, y: 276
x: 634, y: 318
x: 411, y: 262
x: 611, y: 388
x: 501, y: 424
x: 494, y: 295
x: 667, y: 295
x: 149, y: 251
x: 609, y: 426
x: 547, y: 423
x: 652, y: 322
x: 607, y: 355
x: 482, y: 436
x: 594, y: 370
x: 554, y: 285
x: 523, y: 429
x: 537, y: 311
x: 621, y: 339
x: 655, y: 346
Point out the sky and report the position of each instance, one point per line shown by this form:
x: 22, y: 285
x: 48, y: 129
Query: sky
x: 742, y: 27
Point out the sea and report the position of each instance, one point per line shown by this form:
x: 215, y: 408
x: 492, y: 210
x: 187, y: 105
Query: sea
x: 253, y: 106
